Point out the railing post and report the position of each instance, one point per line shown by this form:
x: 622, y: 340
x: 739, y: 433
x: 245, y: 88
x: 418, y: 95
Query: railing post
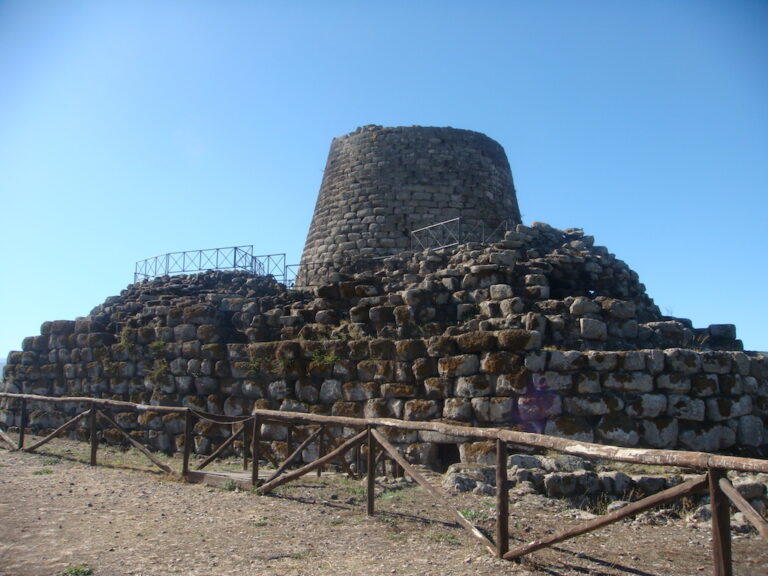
x: 246, y: 444
x: 721, y: 524
x: 502, y: 500
x: 320, y: 449
x: 188, y: 426
x: 94, y: 433
x: 371, y: 471
x: 23, y: 423
x: 255, y: 438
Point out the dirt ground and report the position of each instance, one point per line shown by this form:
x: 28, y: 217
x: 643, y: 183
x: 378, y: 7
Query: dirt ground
x: 121, y: 518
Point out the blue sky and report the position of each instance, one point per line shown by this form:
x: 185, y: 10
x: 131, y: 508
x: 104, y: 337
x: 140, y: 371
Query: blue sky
x: 130, y: 129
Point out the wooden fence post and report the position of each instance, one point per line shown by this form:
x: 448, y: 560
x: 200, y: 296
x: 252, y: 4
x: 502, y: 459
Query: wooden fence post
x: 23, y: 423
x: 371, y: 469
x: 246, y: 445
x: 188, y: 426
x: 721, y: 524
x: 94, y: 433
x: 502, y: 500
x: 255, y: 456
x: 320, y: 442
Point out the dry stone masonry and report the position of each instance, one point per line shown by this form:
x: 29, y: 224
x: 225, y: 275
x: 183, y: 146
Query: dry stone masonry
x: 381, y: 183
x: 542, y: 331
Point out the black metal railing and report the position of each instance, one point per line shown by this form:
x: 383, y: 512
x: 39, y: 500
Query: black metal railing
x: 456, y: 231
x: 194, y: 261
x: 440, y: 235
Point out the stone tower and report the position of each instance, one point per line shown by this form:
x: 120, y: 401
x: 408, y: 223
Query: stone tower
x: 381, y: 183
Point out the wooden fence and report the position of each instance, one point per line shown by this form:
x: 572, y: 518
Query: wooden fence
x: 713, y: 479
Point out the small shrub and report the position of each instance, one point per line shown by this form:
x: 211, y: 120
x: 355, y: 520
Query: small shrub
x: 125, y: 340
x: 160, y: 371
x: 78, y: 571
x: 323, y: 359
x: 42, y: 472
x: 229, y: 485
x: 157, y: 348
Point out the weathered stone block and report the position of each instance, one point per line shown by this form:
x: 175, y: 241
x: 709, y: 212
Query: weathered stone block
x: 716, y: 362
x: 437, y: 388
x: 476, y: 342
x: 576, y: 429
x: 378, y: 408
x: 731, y: 385
x: 660, y: 432
x: 397, y: 390
x: 517, y: 340
x: 499, y: 362
x: 382, y: 315
x: 463, y: 365
x: 457, y: 409
x: 628, y: 381
x: 513, y: 384
x: 501, y: 410
x: 536, y: 361
x: 539, y: 407
x: 511, y: 306
x: 682, y: 360
x: 376, y: 370
x: 472, y: 386
x: 587, y: 382
x: 618, y: 429
x: 673, y: 382
x: 585, y: 406
x: 719, y: 409
x: 422, y: 409
x: 382, y: 349
x: 552, y: 381
x: 751, y: 431
x: 703, y: 385
x: 647, y: 406
x: 582, y: 306
x: 349, y: 409
x: 566, y: 360
x: 592, y: 329
x: 708, y: 438
x: 330, y: 391
x: 359, y: 391
x: 686, y: 408
x: 602, y: 361
x: 501, y: 291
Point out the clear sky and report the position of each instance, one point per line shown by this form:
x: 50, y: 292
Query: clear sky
x: 130, y: 129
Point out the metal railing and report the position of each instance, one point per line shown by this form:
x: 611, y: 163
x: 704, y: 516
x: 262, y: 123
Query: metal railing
x: 440, y: 235
x: 454, y: 232
x: 194, y: 261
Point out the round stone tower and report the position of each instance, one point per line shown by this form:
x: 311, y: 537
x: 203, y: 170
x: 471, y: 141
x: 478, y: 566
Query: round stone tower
x: 380, y: 184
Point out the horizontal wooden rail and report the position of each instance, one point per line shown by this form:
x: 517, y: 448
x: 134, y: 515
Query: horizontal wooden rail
x: 654, y: 457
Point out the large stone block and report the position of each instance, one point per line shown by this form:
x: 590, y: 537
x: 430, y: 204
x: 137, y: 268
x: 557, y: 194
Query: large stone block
x: 660, y: 432
x: 539, y: 406
x: 577, y: 429
x: 618, y: 429
x: 628, y: 381
x: 462, y: 365
x: 473, y: 386
x: 686, y: 408
x: 708, y: 438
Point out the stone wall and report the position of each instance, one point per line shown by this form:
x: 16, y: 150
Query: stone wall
x: 544, y: 332
x: 381, y: 183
